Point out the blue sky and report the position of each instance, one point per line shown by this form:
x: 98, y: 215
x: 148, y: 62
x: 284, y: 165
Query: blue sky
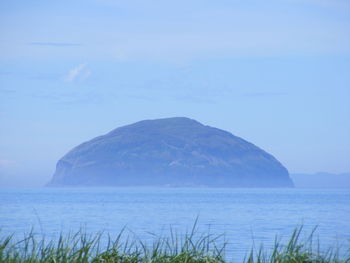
x: 276, y: 73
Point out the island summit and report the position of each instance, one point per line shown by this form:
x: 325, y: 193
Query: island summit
x: 178, y: 152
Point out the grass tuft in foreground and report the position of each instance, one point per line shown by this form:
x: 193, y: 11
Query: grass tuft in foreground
x: 81, y: 247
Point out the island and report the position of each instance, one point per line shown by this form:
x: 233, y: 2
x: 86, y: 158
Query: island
x: 170, y: 152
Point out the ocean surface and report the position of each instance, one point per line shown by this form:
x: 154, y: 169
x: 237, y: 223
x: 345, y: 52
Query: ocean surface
x: 242, y: 216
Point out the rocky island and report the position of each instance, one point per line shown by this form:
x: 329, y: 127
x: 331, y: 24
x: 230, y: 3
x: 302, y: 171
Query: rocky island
x: 176, y: 151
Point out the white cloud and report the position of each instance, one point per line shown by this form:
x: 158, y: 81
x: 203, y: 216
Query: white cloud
x: 79, y: 71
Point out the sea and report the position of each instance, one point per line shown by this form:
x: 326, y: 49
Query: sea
x: 242, y: 218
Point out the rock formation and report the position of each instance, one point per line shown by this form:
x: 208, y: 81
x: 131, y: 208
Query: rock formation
x: 169, y: 152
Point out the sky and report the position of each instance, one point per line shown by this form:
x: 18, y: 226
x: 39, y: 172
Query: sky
x: 276, y: 73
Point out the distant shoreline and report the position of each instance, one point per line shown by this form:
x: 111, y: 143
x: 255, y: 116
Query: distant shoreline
x: 321, y: 180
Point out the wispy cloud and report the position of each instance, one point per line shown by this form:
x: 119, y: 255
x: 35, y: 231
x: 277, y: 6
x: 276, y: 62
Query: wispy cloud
x: 264, y: 94
x: 8, y: 91
x: 326, y: 3
x: 54, y: 44
x: 5, y: 162
x: 79, y: 72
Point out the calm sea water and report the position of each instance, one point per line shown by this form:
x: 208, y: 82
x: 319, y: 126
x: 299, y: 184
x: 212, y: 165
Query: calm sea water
x: 242, y: 215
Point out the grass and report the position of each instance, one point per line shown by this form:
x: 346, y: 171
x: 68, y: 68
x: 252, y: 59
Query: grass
x: 190, y: 248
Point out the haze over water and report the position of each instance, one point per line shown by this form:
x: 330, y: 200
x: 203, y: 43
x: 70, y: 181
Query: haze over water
x: 275, y: 73
x: 243, y: 215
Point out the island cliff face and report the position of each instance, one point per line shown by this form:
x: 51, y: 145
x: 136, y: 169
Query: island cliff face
x: 169, y: 152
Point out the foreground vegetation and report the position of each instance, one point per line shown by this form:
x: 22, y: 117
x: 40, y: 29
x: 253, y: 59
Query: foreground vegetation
x: 190, y: 248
